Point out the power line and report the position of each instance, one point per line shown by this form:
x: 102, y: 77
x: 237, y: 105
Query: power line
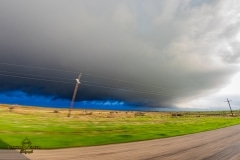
x: 120, y: 80
x: 42, y: 68
x: 152, y: 93
x: 25, y: 74
x: 89, y: 83
x: 89, y: 74
x: 93, y: 85
x: 35, y: 79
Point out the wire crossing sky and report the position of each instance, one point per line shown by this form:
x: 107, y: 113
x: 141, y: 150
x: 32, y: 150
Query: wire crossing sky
x: 87, y: 83
x: 141, y: 52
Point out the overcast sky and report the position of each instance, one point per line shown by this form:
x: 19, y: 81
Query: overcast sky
x: 174, y: 52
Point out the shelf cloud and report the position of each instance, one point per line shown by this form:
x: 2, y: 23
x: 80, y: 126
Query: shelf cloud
x: 154, y: 53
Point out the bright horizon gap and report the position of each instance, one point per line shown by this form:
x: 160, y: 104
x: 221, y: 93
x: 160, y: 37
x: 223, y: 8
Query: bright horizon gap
x: 20, y: 98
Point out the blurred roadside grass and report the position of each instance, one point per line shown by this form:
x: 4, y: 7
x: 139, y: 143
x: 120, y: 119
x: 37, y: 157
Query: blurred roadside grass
x: 51, y: 128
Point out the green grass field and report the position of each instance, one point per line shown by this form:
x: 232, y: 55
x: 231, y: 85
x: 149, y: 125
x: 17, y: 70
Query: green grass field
x: 86, y: 128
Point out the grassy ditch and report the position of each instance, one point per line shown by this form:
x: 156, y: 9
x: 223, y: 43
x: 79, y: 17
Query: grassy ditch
x: 50, y: 128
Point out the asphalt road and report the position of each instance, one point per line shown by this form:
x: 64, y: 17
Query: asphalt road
x: 221, y: 144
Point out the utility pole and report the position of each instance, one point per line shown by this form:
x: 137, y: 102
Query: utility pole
x: 74, y: 95
x: 229, y: 105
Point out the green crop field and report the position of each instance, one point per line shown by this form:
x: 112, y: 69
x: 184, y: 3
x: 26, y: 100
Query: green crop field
x: 50, y: 128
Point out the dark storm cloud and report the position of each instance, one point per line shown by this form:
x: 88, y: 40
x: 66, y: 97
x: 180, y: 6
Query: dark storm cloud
x: 174, y: 47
